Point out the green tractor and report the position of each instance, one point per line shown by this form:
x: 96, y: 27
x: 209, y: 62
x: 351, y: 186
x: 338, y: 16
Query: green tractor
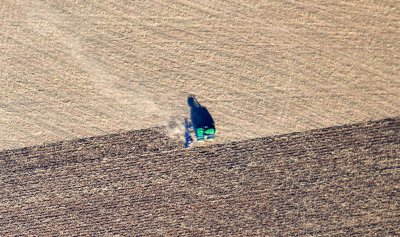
x: 201, y: 123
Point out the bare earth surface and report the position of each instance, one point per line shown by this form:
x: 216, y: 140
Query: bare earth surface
x: 339, y: 181
x: 70, y: 69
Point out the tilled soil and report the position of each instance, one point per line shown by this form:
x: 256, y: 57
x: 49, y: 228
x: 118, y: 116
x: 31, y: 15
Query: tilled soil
x: 335, y: 181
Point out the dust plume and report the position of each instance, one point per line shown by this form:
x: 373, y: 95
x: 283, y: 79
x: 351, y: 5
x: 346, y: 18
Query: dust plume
x: 175, y: 128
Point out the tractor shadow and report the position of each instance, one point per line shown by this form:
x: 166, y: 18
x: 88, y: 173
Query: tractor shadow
x: 200, y: 122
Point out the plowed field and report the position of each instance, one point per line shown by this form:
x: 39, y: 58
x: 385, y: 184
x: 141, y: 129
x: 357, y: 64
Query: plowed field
x: 334, y: 181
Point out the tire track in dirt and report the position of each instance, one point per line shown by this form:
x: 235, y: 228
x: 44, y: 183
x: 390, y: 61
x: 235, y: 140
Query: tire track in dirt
x: 288, y: 66
x: 219, y: 85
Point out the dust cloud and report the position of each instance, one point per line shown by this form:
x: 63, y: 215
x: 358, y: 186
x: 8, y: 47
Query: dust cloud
x: 175, y: 128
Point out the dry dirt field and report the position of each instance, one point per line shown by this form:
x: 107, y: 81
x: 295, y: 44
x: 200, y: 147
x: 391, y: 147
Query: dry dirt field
x: 339, y: 181
x: 71, y: 69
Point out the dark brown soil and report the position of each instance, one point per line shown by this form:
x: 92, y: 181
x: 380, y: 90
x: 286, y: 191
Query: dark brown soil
x: 334, y: 181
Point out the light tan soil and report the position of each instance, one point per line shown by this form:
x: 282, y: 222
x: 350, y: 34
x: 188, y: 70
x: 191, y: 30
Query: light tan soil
x: 79, y: 68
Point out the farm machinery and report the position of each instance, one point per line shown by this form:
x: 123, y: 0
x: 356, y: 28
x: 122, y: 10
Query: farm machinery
x: 201, y: 123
